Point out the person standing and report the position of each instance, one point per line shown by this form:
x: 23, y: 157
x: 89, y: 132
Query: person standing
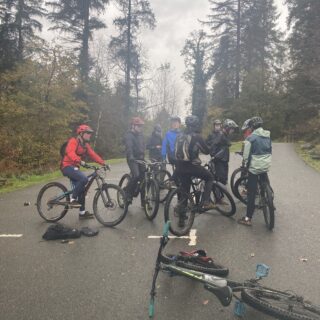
x: 257, y: 155
x: 154, y: 144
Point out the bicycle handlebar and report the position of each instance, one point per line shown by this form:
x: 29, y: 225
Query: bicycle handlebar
x: 95, y: 168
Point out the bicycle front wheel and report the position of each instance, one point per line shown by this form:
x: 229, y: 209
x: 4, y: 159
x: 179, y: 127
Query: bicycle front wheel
x: 181, y: 216
x: 123, y: 183
x: 163, y: 178
x: 151, y: 200
x: 222, y: 199
x: 107, y: 208
x: 236, y: 174
x: 52, y: 201
x: 268, y: 207
x: 240, y: 190
x: 282, y: 305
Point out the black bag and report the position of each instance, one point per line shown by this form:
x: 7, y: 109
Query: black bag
x: 89, y: 232
x: 63, y: 149
x: 60, y: 231
x: 181, y: 147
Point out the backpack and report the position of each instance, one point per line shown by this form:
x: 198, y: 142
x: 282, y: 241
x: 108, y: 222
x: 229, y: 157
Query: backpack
x: 181, y: 147
x: 63, y: 148
x: 60, y: 231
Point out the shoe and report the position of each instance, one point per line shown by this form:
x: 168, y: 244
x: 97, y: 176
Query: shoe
x: 86, y: 215
x: 208, y: 206
x: 245, y: 221
x: 74, y: 203
x: 170, y: 184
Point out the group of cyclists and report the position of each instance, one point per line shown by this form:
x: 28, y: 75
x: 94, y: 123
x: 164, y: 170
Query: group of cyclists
x: 257, y: 151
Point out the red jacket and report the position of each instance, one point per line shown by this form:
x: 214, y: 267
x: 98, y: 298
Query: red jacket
x: 75, y: 151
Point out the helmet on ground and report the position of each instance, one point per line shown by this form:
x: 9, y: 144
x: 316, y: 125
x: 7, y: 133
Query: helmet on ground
x: 217, y: 121
x: 256, y: 122
x: 137, y: 121
x: 192, y: 121
x: 246, y: 125
x: 229, y: 124
x: 175, y: 118
x: 84, y: 128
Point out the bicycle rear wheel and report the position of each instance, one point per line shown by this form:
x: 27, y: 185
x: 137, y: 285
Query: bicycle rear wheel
x: 240, y: 189
x: 123, y: 183
x: 181, y: 217
x: 223, y: 200
x: 151, y: 200
x: 106, y: 206
x: 163, y: 177
x: 282, y: 305
x: 236, y: 174
x: 52, y: 201
x: 268, y: 208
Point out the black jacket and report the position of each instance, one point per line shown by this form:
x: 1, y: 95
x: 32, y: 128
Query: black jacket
x: 135, y: 146
x: 154, y: 146
x: 219, y: 144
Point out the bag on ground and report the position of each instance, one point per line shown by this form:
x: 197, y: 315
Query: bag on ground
x: 60, y: 231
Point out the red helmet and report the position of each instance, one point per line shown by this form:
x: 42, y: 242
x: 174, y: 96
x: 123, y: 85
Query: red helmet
x: 84, y: 128
x: 136, y: 121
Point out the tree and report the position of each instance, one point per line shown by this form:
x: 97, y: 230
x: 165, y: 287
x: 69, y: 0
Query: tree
x: 134, y: 15
x: 76, y: 17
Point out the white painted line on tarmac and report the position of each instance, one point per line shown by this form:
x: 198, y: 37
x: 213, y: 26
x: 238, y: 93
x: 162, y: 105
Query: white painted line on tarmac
x: 11, y: 235
x: 192, y: 237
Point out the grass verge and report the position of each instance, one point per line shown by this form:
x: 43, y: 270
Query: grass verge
x: 17, y: 183
x: 306, y: 157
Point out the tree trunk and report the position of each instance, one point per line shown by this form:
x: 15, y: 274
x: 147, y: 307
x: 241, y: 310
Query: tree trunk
x: 238, y: 52
x: 128, y: 64
x: 84, y: 56
x: 19, y: 26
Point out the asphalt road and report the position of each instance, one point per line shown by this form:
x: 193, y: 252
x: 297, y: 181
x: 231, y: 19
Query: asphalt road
x: 109, y: 276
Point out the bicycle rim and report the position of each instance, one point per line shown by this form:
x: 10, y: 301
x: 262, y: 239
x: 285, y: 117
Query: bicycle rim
x: 181, y: 221
x: 48, y: 201
x: 282, y: 305
x: 268, y: 209
x: 236, y: 174
x: 123, y: 183
x: 151, y: 201
x: 240, y: 189
x: 110, y: 213
x: 223, y: 200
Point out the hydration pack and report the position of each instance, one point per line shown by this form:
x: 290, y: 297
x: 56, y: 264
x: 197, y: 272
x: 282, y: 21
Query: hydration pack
x: 182, y: 146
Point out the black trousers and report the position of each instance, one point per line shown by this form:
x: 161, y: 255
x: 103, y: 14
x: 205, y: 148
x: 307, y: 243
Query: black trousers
x: 186, y: 170
x: 222, y: 170
x: 137, y: 172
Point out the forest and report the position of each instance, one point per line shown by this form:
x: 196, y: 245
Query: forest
x: 238, y: 64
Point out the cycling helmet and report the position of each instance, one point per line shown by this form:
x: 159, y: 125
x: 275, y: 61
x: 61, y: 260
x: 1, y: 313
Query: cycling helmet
x: 83, y: 128
x: 157, y: 128
x: 192, y: 121
x: 256, y: 122
x: 229, y: 124
x: 137, y: 121
x: 246, y: 125
x: 217, y: 121
x: 175, y: 118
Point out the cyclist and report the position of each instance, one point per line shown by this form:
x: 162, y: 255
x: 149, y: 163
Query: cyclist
x: 154, y: 144
x: 185, y: 170
x: 246, y: 130
x: 257, y: 157
x: 76, y: 149
x: 219, y: 142
x: 135, y: 150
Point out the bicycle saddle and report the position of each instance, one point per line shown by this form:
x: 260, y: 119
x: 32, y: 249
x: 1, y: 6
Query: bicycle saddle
x: 224, y: 294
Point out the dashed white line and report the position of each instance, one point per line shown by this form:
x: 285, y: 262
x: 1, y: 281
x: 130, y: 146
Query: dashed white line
x: 11, y: 235
x: 192, y: 237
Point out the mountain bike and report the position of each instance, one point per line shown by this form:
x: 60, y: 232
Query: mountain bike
x: 53, y: 201
x: 149, y: 185
x: 240, y: 172
x: 182, y: 218
x: 281, y: 304
x: 264, y: 198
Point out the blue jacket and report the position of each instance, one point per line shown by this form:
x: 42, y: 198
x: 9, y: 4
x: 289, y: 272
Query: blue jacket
x: 168, y: 144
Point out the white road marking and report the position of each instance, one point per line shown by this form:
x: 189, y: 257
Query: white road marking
x: 11, y: 235
x: 192, y: 237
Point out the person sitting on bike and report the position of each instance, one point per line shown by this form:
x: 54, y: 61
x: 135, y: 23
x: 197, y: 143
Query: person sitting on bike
x: 186, y: 170
x: 154, y: 144
x: 257, y: 157
x: 76, y: 149
x: 135, y: 150
x: 219, y: 143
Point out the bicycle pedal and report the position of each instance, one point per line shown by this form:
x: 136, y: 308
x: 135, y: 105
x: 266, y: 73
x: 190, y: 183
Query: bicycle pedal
x: 262, y: 270
x: 239, y: 308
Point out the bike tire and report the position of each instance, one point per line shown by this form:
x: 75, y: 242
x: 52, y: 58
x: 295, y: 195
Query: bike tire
x: 268, y: 208
x: 234, y: 178
x: 163, y: 177
x: 113, y: 214
x: 151, y: 200
x: 123, y: 183
x: 280, y: 304
x: 223, y: 200
x: 170, y: 214
x: 214, y: 268
x: 52, y: 190
x: 239, y: 188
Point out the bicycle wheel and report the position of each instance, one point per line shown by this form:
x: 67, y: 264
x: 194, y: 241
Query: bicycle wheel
x: 268, y: 208
x: 181, y: 218
x: 123, y: 183
x: 50, y: 201
x: 106, y: 207
x: 282, y: 305
x: 151, y: 200
x: 236, y: 174
x: 163, y: 177
x: 223, y: 200
x: 240, y: 189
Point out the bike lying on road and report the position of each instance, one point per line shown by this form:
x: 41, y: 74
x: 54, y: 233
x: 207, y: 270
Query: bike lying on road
x: 53, y: 200
x: 277, y: 303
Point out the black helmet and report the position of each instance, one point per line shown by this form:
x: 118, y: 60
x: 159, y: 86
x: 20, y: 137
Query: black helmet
x: 246, y: 125
x: 157, y: 128
x: 175, y: 118
x: 229, y: 124
x: 192, y: 121
x: 217, y: 121
x: 256, y: 122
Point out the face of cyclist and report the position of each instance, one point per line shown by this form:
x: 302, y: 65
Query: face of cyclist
x: 86, y: 136
x: 138, y: 128
x: 217, y: 127
x: 175, y: 124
